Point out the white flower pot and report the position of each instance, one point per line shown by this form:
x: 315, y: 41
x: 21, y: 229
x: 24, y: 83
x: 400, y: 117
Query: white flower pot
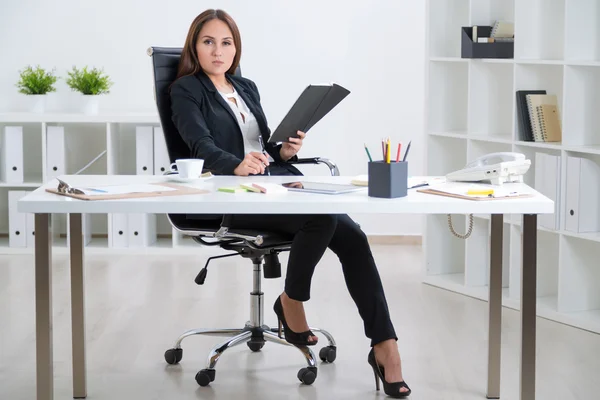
x: 90, y: 104
x: 36, y: 103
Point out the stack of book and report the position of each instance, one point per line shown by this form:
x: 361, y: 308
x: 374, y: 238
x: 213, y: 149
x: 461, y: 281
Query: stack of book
x: 538, y: 117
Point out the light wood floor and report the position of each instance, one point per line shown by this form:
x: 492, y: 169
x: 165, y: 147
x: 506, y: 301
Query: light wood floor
x: 138, y: 305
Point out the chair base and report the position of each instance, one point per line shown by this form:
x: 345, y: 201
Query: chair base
x: 255, y: 334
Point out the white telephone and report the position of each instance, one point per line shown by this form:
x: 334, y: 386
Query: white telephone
x: 497, y: 168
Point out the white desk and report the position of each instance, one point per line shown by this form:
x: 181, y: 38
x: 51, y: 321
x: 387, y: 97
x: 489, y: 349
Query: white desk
x: 42, y: 204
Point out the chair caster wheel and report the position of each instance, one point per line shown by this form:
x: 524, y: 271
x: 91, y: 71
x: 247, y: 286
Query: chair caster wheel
x: 173, y: 356
x: 307, y: 375
x: 328, y: 354
x: 205, y: 377
x: 255, y: 346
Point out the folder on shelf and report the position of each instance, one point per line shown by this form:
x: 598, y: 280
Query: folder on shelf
x: 115, y: 192
x: 17, y: 222
x: 118, y: 231
x: 523, y: 118
x: 144, y: 150
x: 55, y: 152
x: 162, y: 162
x: 547, y: 182
x: 11, y: 155
x: 463, y: 190
x: 582, y: 197
x: 141, y: 230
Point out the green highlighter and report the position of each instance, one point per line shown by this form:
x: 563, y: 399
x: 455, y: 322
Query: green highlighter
x: 232, y: 189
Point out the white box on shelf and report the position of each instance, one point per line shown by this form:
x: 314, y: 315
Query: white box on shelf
x: 547, y: 182
x: 582, y: 213
x: 17, y: 222
x: 144, y: 150
x: 118, y: 231
x: 86, y: 222
x: 141, y: 230
x: 56, y: 161
x: 11, y: 155
x: 162, y: 163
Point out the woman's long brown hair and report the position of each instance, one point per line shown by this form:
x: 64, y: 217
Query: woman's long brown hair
x: 188, y: 63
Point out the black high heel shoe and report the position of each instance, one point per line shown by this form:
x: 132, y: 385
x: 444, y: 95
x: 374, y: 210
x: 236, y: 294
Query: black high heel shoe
x: 298, y: 339
x: 391, y: 389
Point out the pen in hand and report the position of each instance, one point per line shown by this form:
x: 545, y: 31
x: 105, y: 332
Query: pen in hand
x: 262, y: 146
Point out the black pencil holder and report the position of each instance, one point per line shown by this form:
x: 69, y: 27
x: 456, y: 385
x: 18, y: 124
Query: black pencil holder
x: 388, y: 180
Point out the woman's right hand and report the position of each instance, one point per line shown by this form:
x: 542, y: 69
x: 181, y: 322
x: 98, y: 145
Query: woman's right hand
x: 253, y: 164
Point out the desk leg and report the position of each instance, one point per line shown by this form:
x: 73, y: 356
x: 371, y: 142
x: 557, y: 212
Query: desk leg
x: 77, y: 306
x: 43, y: 308
x: 495, y: 307
x: 528, y: 305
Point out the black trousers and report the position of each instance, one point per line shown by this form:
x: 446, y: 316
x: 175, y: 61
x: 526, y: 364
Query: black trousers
x: 313, y: 234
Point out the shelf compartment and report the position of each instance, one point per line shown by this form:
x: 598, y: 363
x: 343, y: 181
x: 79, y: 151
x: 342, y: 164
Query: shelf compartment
x: 579, y: 288
x: 540, y: 77
x: 541, y: 26
x: 581, y: 117
x: 477, y: 268
x: 446, y: 17
x: 445, y: 154
x: 448, y: 96
x: 582, y: 31
x: 478, y: 148
x: 491, y: 99
x: 445, y: 253
x: 547, y: 263
x: 486, y: 12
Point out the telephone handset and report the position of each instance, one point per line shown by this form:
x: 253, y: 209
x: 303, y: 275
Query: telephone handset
x: 497, y: 168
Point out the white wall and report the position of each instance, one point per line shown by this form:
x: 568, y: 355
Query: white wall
x: 374, y: 48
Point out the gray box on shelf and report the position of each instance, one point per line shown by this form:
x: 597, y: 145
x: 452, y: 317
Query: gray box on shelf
x: 388, y: 180
x: 470, y: 49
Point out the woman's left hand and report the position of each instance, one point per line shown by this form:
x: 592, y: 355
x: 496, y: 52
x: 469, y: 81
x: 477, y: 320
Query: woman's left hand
x: 291, y: 148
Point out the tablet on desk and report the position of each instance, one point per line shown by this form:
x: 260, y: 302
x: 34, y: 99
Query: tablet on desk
x: 320, y: 187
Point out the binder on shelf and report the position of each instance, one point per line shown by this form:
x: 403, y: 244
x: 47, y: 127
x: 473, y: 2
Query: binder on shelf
x: 30, y: 230
x: 11, y: 155
x: 582, y: 213
x: 547, y: 182
x: 144, y: 150
x: 141, y: 230
x: 56, y: 161
x: 17, y: 222
x: 523, y: 119
x: 86, y: 229
x: 162, y: 163
x: 118, y: 234
x: 533, y: 101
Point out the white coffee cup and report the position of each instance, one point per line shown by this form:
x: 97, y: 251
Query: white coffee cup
x: 188, y: 168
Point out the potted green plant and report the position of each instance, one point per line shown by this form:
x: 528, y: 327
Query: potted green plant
x: 35, y: 83
x: 90, y: 83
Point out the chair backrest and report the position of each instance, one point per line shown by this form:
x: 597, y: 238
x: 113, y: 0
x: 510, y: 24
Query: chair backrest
x: 165, y: 61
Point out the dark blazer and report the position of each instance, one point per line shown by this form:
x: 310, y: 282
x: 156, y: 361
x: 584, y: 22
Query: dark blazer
x: 209, y: 127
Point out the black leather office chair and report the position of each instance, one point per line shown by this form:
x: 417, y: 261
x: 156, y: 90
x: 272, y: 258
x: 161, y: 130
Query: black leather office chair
x: 259, y: 246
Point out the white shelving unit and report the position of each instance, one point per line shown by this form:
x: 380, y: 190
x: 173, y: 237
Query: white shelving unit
x: 86, y: 136
x: 471, y: 111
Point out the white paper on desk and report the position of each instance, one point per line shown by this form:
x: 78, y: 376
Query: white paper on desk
x: 124, y: 189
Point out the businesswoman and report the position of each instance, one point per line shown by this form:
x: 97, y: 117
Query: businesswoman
x: 220, y: 117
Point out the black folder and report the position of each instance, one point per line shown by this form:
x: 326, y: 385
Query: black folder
x: 523, y: 118
x: 310, y: 107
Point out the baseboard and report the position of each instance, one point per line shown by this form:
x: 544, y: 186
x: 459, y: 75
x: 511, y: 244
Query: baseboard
x: 415, y: 240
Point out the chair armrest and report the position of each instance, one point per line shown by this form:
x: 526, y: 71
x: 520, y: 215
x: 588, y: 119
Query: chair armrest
x: 319, y: 160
